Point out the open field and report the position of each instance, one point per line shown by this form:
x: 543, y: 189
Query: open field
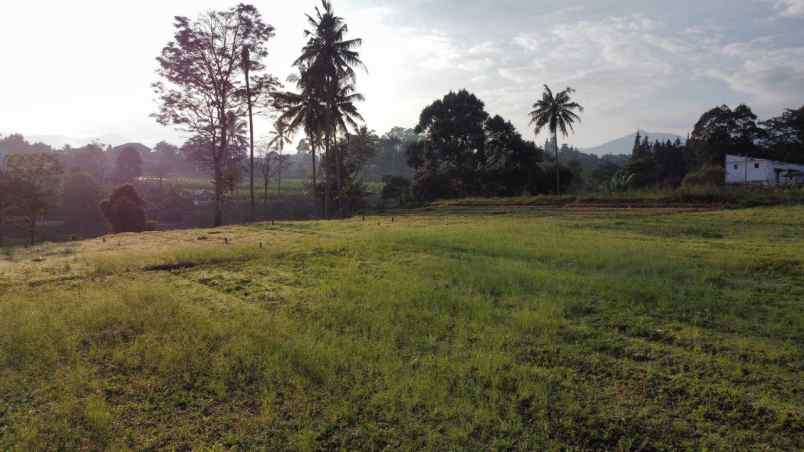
x: 503, y: 328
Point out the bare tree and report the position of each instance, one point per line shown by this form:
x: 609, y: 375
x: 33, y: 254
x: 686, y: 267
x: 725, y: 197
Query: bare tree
x: 202, y: 87
x: 280, y: 136
x: 265, y: 166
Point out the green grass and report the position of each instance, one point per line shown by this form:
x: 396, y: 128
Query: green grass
x: 732, y: 197
x: 442, y: 329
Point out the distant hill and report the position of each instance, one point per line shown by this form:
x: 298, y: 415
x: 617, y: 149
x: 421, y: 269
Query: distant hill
x: 624, y: 145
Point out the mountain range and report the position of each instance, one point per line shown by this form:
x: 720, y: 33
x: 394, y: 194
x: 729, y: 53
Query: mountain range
x: 625, y: 145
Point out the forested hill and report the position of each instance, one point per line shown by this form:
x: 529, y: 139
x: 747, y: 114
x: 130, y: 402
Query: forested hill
x: 625, y: 145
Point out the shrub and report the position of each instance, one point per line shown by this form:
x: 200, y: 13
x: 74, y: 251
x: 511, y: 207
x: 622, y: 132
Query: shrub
x: 124, y: 210
x: 709, y: 175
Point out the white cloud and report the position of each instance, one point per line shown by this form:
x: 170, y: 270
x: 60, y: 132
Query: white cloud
x: 768, y: 74
x: 790, y: 8
x: 635, y: 64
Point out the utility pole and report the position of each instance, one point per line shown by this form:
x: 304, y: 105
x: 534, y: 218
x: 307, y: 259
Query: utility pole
x: 246, y: 67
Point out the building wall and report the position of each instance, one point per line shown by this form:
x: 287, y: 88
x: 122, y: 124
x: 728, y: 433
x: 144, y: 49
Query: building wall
x: 759, y: 171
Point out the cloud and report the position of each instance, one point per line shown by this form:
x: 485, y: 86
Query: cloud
x: 634, y: 70
x: 768, y: 73
x: 790, y: 8
x: 634, y: 63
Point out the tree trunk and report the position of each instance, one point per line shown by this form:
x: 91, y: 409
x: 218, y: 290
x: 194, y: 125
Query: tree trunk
x: 315, y: 183
x: 339, y: 175
x: 558, y: 168
x: 328, y: 160
x: 251, y: 144
x: 279, y: 171
x: 218, y: 161
x: 218, y: 220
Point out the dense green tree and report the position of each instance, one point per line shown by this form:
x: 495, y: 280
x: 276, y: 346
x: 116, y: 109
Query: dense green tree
x: 6, y: 199
x: 656, y: 164
x: 124, y: 210
x: 671, y: 163
x: 453, y: 147
x: 390, y: 159
x: 396, y: 188
x: 462, y: 151
x: 129, y: 165
x: 355, y: 151
x: 556, y: 113
x: 17, y: 144
x: 167, y: 160
x: 603, y: 174
x: 90, y: 159
x: 81, y: 197
x: 35, y: 184
x: 784, y: 136
x: 511, y: 164
x: 722, y: 131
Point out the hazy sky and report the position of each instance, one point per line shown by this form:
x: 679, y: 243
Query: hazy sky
x: 83, y: 68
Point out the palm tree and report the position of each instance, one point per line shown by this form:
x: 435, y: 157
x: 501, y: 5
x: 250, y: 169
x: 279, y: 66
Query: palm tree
x: 302, y: 112
x: 280, y: 136
x: 557, y: 113
x: 328, y: 62
x: 328, y: 54
x: 346, y: 116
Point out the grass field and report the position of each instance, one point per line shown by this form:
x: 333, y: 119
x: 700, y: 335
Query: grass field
x: 520, y: 329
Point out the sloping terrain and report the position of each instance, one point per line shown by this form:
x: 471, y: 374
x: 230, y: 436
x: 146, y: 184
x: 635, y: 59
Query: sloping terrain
x: 520, y: 329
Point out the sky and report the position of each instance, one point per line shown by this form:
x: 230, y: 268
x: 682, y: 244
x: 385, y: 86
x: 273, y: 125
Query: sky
x: 83, y: 68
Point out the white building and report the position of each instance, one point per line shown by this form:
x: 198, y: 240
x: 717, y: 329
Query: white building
x: 747, y: 170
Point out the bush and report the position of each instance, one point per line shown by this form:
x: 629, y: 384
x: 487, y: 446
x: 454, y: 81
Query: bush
x: 706, y: 176
x: 124, y: 210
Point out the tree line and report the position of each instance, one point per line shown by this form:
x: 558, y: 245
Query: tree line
x: 213, y: 81
x: 720, y: 131
x: 464, y: 151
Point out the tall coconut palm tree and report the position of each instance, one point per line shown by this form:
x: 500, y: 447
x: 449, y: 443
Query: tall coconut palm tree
x: 280, y: 136
x: 329, y: 61
x: 304, y: 112
x: 345, y: 116
x: 328, y: 54
x: 556, y: 113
